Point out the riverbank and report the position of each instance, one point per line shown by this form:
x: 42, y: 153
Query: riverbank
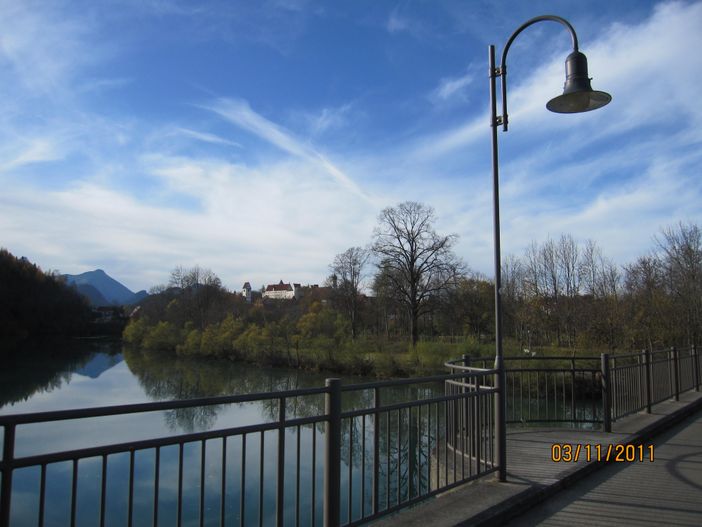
x: 277, y: 346
x: 363, y: 357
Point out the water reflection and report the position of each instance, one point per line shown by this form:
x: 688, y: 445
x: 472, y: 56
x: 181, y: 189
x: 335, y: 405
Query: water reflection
x: 33, y: 368
x: 166, y: 377
x: 240, y: 472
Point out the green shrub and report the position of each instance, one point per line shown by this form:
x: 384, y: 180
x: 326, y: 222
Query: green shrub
x: 164, y: 336
x: 192, y: 343
x: 135, y: 331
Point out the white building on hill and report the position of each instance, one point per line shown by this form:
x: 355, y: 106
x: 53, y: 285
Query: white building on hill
x: 281, y: 291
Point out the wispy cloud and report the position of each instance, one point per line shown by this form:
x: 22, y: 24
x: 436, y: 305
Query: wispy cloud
x: 100, y: 85
x: 41, y: 48
x: 205, y: 137
x: 27, y: 152
x: 400, y: 22
x: 329, y: 118
x: 450, y: 87
x: 239, y: 112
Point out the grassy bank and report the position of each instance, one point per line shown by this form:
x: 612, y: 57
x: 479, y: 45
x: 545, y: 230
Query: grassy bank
x: 272, y: 345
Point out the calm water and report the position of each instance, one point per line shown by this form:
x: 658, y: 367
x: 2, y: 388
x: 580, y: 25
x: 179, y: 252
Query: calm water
x: 102, y: 373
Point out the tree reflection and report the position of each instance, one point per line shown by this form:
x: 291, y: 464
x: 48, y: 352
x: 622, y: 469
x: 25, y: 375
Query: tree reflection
x: 164, y: 376
x: 31, y: 368
x: 405, y: 445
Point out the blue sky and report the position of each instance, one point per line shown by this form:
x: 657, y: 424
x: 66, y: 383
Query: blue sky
x: 260, y: 139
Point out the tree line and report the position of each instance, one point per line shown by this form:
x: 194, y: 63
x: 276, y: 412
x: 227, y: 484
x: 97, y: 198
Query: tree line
x: 559, y: 293
x: 408, y: 291
x: 34, y: 303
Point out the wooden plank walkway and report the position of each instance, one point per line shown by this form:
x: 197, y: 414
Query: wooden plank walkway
x: 532, y: 475
x: 667, y: 491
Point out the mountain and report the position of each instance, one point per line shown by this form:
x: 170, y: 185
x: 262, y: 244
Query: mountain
x: 139, y: 296
x: 112, y: 292
x: 89, y: 291
x: 99, y: 364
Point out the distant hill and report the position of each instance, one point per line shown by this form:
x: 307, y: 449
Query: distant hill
x: 111, y: 291
x: 92, y: 294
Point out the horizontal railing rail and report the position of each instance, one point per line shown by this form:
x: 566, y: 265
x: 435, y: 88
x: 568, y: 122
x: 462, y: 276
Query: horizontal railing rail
x: 588, y: 390
x: 639, y: 380
x: 549, y: 389
x: 345, y: 462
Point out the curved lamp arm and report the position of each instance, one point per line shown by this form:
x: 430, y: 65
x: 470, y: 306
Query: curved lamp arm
x: 503, y: 63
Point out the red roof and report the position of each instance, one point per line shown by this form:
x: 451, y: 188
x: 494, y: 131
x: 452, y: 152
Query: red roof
x: 279, y: 287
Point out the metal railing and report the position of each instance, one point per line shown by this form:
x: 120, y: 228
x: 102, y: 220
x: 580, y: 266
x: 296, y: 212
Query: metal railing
x: 357, y: 455
x: 470, y: 431
x: 594, y: 390
x: 637, y: 381
x: 554, y: 389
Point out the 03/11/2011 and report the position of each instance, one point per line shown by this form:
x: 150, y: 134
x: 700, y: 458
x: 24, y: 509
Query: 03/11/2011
x: 620, y: 453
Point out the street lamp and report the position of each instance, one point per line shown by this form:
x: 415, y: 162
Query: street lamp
x: 578, y: 96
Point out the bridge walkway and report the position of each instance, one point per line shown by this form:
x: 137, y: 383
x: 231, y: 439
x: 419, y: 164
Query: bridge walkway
x: 533, y: 477
x: 667, y: 491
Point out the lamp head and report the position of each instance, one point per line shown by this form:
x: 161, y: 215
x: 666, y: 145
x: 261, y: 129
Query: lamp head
x: 578, y: 96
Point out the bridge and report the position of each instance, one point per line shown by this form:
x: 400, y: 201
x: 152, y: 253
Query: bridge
x: 396, y: 452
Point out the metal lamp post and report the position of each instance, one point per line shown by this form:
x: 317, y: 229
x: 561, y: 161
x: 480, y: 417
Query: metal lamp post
x: 578, y: 96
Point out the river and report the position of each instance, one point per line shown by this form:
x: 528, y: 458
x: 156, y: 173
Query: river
x: 103, y: 373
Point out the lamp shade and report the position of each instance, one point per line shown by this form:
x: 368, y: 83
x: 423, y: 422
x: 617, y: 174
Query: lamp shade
x: 578, y: 95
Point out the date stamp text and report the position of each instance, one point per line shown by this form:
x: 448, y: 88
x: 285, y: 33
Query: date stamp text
x: 622, y: 453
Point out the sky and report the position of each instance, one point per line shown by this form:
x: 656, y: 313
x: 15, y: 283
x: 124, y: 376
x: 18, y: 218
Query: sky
x: 260, y: 139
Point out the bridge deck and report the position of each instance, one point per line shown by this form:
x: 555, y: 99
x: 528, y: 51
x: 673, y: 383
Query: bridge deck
x: 532, y: 475
x: 668, y: 491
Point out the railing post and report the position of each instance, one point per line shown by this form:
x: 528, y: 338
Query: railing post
x: 332, y: 454
x: 642, y: 390
x: 696, y: 362
x: 280, y: 494
x: 464, y: 402
x: 676, y: 372
x: 572, y: 391
x: 647, y: 372
x: 606, y: 392
x: 376, y: 450
x: 8, y: 454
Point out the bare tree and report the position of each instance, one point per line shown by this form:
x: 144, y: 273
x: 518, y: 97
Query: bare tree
x: 644, y: 283
x: 681, y: 255
x: 568, y: 256
x: 418, y: 261
x: 194, y: 277
x: 348, y: 270
x: 590, y: 267
x: 532, y: 275
x: 201, y: 292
